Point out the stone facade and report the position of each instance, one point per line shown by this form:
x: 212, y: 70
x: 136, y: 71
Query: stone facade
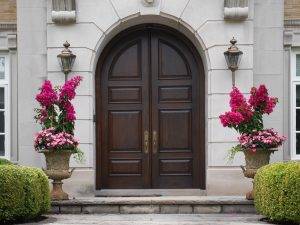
x: 260, y: 37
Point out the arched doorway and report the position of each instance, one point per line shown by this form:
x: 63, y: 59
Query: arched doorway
x: 150, y: 111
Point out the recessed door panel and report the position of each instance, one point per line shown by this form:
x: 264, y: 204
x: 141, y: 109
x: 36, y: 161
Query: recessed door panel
x: 122, y: 67
x: 131, y: 140
x: 175, y: 130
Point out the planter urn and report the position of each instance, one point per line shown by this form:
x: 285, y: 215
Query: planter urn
x: 255, y: 160
x: 58, y: 169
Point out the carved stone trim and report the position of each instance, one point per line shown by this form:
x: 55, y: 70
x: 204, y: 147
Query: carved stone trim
x: 11, y: 41
x: 63, y: 11
x: 292, y: 23
x: 63, y: 17
x: 63, y: 5
x: 8, y: 26
x: 236, y: 9
x: 148, y: 2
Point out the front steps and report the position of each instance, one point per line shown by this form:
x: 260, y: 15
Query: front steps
x: 157, y: 205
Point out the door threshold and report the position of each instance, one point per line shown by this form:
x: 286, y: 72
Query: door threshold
x: 148, y: 192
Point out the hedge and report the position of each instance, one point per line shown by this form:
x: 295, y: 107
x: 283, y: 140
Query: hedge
x: 5, y: 162
x: 24, y: 193
x: 277, y: 191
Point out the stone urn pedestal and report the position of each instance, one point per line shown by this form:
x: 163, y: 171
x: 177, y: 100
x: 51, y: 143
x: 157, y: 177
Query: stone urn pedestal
x: 255, y: 160
x: 58, y: 169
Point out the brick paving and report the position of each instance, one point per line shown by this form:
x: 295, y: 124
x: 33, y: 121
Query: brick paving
x: 152, y: 219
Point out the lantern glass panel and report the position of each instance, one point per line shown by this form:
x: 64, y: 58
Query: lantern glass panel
x: 72, y: 60
x: 239, y: 58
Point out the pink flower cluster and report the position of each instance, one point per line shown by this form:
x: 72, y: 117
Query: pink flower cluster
x: 67, y: 93
x: 264, y: 139
x: 243, y: 111
x: 49, y: 140
x: 261, y: 101
x: 231, y: 118
x: 240, y: 110
x: 47, y: 96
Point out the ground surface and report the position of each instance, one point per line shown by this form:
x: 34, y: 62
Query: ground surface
x: 153, y: 219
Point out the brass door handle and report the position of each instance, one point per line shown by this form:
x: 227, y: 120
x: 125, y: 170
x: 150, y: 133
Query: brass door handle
x: 154, y: 140
x: 146, y: 141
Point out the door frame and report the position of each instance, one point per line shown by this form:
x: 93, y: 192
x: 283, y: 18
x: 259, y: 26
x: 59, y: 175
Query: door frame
x: 98, y: 97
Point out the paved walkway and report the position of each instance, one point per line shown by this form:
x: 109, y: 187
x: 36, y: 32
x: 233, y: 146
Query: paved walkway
x: 152, y: 219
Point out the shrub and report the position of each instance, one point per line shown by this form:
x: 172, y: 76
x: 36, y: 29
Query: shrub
x: 5, y: 162
x: 24, y: 193
x: 276, y: 191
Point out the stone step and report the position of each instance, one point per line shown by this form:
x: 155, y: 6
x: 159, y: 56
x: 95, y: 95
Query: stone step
x: 161, y: 204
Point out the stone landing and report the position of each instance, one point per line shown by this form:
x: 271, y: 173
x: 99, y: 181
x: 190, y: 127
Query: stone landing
x: 157, y: 205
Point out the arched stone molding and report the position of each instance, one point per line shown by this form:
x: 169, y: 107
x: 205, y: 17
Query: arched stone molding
x: 137, y: 19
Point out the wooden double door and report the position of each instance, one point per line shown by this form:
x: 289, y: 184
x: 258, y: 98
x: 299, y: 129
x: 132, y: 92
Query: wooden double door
x: 150, y: 112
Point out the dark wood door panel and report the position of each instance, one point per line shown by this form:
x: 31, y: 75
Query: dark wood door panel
x: 128, y: 141
x: 172, y: 62
x: 149, y: 83
x: 124, y: 114
x: 175, y: 117
x: 126, y: 63
x: 125, y: 94
x: 175, y: 94
x: 175, y: 129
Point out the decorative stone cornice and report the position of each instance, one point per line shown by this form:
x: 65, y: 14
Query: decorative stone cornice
x: 288, y: 38
x: 11, y: 41
x: 236, y: 9
x: 148, y: 2
x: 292, y: 23
x: 63, y: 11
x: 8, y: 26
x: 63, y: 17
x: 291, y: 37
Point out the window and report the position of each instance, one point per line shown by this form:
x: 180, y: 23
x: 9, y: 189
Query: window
x: 295, y: 105
x: 4, y: 108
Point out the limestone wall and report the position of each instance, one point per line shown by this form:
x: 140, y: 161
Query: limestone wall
x: 269, y: 62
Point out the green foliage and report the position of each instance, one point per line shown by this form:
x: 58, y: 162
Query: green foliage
x: 5, y: 162
x: 255, y: 123
x: 276, y: 191
x: 232, y: 152
x: 79, y: 155
x: 24, y: 193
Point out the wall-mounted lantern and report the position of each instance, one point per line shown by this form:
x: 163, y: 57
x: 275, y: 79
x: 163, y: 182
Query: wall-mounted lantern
x: 66, y: 59
x: 233, y: 57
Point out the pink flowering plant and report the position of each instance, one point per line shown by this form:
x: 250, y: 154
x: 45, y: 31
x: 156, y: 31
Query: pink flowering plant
x: 56, y: 115
x: 246, y: 117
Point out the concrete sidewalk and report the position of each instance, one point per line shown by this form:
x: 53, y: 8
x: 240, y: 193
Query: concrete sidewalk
x: 153, y: 219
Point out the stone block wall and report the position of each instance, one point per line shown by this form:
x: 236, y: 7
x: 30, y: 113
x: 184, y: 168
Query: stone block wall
x: 268, y: 59
x: 8, y: 11
x: 291, y: 9
x: 31, y: 26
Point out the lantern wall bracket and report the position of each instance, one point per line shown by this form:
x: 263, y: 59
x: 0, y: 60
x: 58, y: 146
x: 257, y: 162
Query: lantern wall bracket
x: 66, y: 59
x: 233, y: 57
